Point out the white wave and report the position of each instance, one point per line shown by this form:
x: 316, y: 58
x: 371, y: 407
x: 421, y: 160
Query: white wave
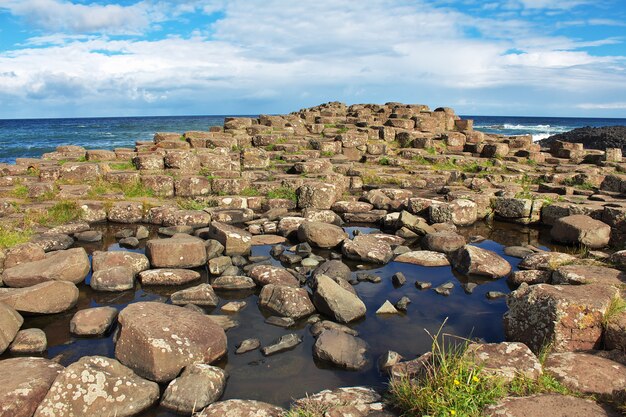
x: 540, y: 136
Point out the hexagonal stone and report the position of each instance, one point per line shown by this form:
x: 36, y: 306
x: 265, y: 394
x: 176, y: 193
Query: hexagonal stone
x: 286, y: 301
x: 236, y: 241
x: 506, y: 360
x: 180, y: 252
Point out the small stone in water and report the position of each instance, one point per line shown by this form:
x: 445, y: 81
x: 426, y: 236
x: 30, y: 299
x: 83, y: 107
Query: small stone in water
x: 124, y: 233
x: 398, y: 279
x: 234, y: 306
x: 492, y: 295
x: 142, y: 232
x: 399, y: 250
x: 388, y: 359
x: 290, y: 258
x: 314, y: 319
x: 129, y: 242
x: 286, y: 342
x: 248, y: 345
x: 387, y: 308
x: 310, y: 262
x: 280, y: 321
x: 444, y: 289
x: 423, y: 285
x: 303, y: 249
x: 403, y: 303
x: 239, y: 260
x: 277, y: 251
x: 368, y: 277
x: 469, y: 287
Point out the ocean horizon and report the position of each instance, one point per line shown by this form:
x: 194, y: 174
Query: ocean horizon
x: 31, y: 138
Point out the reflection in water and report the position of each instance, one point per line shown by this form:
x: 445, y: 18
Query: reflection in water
x: 279, y: 379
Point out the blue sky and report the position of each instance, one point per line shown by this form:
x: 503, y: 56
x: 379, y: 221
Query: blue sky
x: 62, y: 58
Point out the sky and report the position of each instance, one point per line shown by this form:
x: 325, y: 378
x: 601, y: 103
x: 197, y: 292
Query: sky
x: 62, y: 58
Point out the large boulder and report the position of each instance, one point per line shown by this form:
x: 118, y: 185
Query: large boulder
x: 93, y: 321
x: 200, y: 295
x: 545, y: 261
x: 271, y: 274
x: 588, y: 274
x: 580, y: 229
x: 333, y: 269
x: 423, y: 258
x: 444, y: 241
x: 158, y: 340
x: 117, y: 278
x: 332, y: 299
x: 25, y: 383
x: 316, y: 195
x: 340, y: 349
x: 236, y: 241
x: 168, y: 276
x: 180, y: 252
x: 368, y: 248
x: 569, y: 317
x: 506, y: 360
x: 242, y: 408
x: 543, y: 405
x: 286, y: 301
x: 66, y: 265
x: 137, y: 262
x: 198, y: 386
x: 472, y: 260
x: 10, y: 323
x: 97, y: 386
x: 46, y: 298
x: 322, y: 235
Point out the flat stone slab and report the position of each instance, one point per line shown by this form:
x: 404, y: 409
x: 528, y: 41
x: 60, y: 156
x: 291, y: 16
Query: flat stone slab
x: 346, y: 401
x: 423, y: 258
x: 46, y: 298
x: 544, y: 405
x: 93, y: 321
x: 168, y: 276
x: 198, y: 386
x: 242, y: 408
x: 588, y: 274
x: 506, y: 360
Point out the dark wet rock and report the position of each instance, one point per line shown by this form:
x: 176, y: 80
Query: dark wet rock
x: 129, y: 242
x: 587, y: 373
x: 444, y: 289
x: 119, y: 278
x: 423, y: 258
x: 588, y: 274
x: 518, y: 251
x: 46, y: 298
x: 277, y: 250
x: 286, y: 301
x: 541, y: 405
x: 25, y: 383
x: 367, y: 277
x: 568, y: 317
x: 158, y: 340
x: 472, y: 260
x: 423, y: 285
x: 93, y: 321
x: 98, y: 386
x: 29, y: 341
x: 70, y: 265
x: 235, y: 241
x: 444, y: 242
x: 89, y: 236
x: 10, y: 323
x: 619, y: 259
x: 582, y: 230
x: 592, y: 137
x: 24, y: 253
x: 413, y: 368
x: 198, y: 386
x: 270, y: 274
x: 235, y: 282
x: 335, y: 301
x: 242, y: 408
x: 333, y: 269
x: 284, y: 343
x: 368, y: 248
x: 387, y: 308
x: 506, y: 360
x: 340, y: 349
x: 279, y: 321
x: 530, y: 277
x: 124, y: 233
x: 168, y: 276
x: 398, y: 279
x: 51, y: 242
x: 546, y: 261
x: 290, y: 258
x: 323, y: 325
x: 201, y: 295
x: 322, y: 235
x: 183, y: 252
x: 248, y: 345
x: 403, y: 303
x: 137, y: 262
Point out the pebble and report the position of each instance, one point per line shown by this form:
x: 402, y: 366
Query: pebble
x: 403, y: 303
x: 286, y: 342
x: 280, y: 321
x: 398, y: 279
x: 234, y: 306
x: 248, y: 345
x: 423, y: 285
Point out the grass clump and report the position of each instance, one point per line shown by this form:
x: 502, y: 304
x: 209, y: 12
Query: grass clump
x: 287, y: 193
x: 250, y: 192
x: 136, y: 189
x: 616, y: 307
x: 189, y: 204
x: 20, y: 191
x: 61, y: 213
x: 122, y: 166
x: 384, y: 161
x: 327, y: 153
x: 10, y: 236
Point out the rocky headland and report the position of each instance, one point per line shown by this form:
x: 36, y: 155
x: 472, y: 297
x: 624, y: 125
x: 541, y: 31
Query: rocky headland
x: 262, y: 210
x: 592, y: 137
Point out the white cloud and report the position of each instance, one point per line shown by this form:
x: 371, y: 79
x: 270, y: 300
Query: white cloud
x: 603, y: 106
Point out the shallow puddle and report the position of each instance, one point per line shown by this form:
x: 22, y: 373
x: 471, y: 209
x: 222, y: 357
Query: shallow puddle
x: 280, y: 378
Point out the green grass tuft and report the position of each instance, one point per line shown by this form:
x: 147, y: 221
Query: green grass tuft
x: 20, y: 191
x: 283, y: 192
x: 122, y: 166
x: 10, y: 237
x: 61, y: 213
x: 189, y: 204
x: 616, y: 307
x: 250, y: 192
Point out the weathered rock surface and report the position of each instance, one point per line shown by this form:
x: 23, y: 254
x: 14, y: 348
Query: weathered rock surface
x: 567, y: 316
x: 236, y: 241
x: 472, y: 260
x: 198, y: 386
x: 46, y: 298
x: 233, y: 282
x: 286, y: 301
x: 25, y: 383
x: 506, y: 360
x: 583, y: 230
x: 368, y: 248
x: 445, y: 241
x: 340, y: 349
x: 322, y: 235
x: 543, y: 405
x: 546, y: 261
x: 137, y: 262
x: 344, y: 402
x: 335, y: 301
x: 242, y: 408
x: 423, y: 258
x: 271, y: 274
x: 588, y: 274
x: 181, y: 252
x: 201, y: 295
x: 93, y: 321
x: 168, y: 276
x: 98, y: 386
x: 117, y: 278
x: 70, y: 265
x: 29, y: 341
x: 10, y: 323
x: 158, y: 340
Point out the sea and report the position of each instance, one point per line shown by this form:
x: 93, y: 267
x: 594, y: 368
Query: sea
x: 30, y: 138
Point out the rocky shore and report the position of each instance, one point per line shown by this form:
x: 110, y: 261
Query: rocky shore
x: 198, y: 205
